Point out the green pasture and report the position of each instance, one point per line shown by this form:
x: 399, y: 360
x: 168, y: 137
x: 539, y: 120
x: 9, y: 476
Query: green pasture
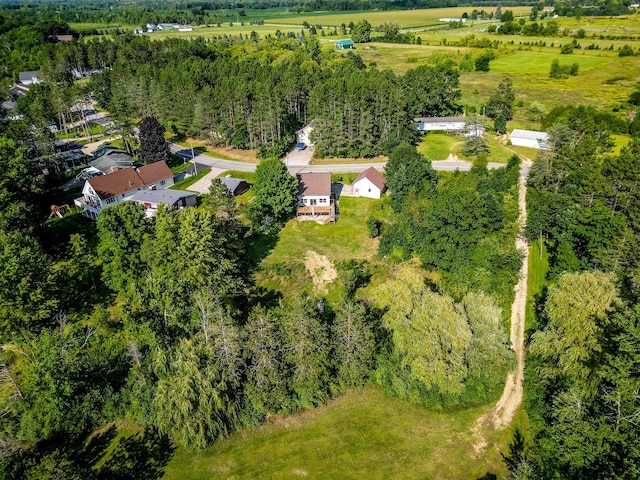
x: 538, y: 63
x: 624, y: 25
x: 401, y: 57
x: 362, y: 434
x: 83, y: 26
x: 405, y: 18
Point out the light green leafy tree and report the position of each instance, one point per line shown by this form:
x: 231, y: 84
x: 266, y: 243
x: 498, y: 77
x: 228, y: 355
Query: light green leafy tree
x: 572, y: 341
x: 430, y: 332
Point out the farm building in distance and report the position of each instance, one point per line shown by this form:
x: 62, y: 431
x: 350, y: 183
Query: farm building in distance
x: 529, y: 138
x: 346, y: 44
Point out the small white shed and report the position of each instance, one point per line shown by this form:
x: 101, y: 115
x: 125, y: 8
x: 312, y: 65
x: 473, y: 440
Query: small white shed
x: 529, y: 138
x: 369, y: 183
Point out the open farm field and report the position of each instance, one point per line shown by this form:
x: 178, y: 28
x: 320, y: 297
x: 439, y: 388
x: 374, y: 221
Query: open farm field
x: 363, y: 434
x: 624, y: 25
x: 405, y: 18
x: 602, y: 81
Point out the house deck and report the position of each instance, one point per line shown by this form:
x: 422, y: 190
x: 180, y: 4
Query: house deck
x: 319, y: 213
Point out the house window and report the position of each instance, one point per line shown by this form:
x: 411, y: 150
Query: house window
x: 323, y: 200
x: 111, y: 200
x: 162, y: 182
x: 369, y: 190
x: 313, y: 201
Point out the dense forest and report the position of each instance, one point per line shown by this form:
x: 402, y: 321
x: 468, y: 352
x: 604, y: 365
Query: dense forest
x: 582, y: 374
x: 234, y: 93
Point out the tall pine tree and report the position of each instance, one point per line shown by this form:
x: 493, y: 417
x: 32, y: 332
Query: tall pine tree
x: 153, y: 146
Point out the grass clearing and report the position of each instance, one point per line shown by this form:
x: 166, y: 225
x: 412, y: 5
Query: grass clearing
x: 537, y: 278
x: 362, y: 434
x: 346, y: 238
x: 438, y: 146
x: 187, y: 182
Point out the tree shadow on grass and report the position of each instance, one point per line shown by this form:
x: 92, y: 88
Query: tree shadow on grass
x: 260, y: 245
x: 142, y: 456
x: 488, y: 476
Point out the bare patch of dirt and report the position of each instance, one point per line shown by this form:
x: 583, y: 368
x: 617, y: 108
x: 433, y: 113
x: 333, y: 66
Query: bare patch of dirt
x: 321, y: 269
x: 300, y: 473
x: 501, y: 415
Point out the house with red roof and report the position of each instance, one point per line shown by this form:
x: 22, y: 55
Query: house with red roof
x: 116, y: 187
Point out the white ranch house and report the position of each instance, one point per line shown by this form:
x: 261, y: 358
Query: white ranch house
x: 449, y: 124
x: 529, y: 138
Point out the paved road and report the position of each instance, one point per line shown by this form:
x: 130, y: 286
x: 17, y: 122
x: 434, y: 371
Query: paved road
x: 213, y: 162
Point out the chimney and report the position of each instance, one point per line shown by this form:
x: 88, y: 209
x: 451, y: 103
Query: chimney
x: 130, y: 183
x: 114, y: 169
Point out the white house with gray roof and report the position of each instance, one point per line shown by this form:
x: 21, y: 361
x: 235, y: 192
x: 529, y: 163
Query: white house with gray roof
x: 29, y: 78
x: 172, y: 199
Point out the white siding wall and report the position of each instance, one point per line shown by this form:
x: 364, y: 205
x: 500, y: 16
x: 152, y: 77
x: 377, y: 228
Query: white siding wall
x: 320, y: 200
x: 525, y: 142
x: 365, y: 188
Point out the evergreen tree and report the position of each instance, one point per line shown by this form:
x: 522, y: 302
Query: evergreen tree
x: 153, y: 146
x: 502, y: 100
x: 408, y: 172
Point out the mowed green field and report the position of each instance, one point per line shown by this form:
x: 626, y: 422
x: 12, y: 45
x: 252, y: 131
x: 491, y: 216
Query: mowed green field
x: 364, y: 434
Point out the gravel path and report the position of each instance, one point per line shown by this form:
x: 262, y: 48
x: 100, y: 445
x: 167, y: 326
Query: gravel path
x: 501, y: 415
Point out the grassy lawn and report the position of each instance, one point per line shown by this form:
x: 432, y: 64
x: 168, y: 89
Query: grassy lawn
x: 346, y: 238
x: 536, y: 280
x: 282, y: 259
x: 438, y: 146
x: 187, y: 182
x: 248, y: 176
x: 363, y: 434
